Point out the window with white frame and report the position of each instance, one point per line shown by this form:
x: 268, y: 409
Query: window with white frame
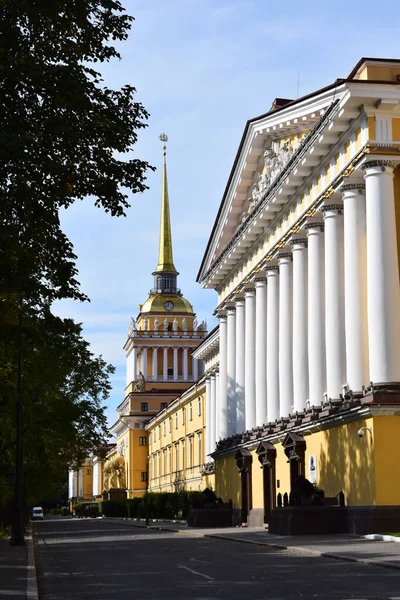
x: 190, y: 412
x: 183, y: 416
x: 199, y: 406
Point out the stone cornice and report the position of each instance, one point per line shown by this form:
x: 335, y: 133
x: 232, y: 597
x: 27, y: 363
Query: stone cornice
x: 335, y: 208
x: 350, y: 187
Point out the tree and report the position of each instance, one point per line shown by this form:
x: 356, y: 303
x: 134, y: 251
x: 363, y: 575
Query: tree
x: 63, y: 133
x: 64, y: 137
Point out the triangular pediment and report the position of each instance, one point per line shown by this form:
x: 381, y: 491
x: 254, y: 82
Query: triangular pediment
x: 269, y: 151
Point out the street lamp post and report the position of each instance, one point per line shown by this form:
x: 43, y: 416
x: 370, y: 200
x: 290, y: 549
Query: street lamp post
x: 17, y: 527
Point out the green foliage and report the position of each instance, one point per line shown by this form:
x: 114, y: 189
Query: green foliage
x: 64, y: 137
x: 87, y: 510
x: 164, y: 505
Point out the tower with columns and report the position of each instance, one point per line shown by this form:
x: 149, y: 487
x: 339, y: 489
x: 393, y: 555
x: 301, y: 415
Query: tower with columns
x: 159, y: 354
x: 304, y: 257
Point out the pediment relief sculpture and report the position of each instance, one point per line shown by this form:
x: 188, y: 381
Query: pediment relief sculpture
x: 275, y: 160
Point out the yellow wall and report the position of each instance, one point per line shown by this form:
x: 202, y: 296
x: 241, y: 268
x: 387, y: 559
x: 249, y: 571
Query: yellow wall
x: 345, y: 462
x: 227, y: 481
x: 386, y: 433
x: 397, y: 208
x: 371, y: 128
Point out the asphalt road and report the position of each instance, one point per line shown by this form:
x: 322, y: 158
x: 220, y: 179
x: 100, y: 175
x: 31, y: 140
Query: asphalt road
x: 100, y: 560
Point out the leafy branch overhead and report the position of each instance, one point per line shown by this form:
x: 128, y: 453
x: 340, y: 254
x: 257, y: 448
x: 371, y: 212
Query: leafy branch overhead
x: 64, y: 136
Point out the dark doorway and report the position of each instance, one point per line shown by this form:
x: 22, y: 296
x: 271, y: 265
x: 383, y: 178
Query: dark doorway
x: 244, y: 463
x: 294, y: 446
x: 267, y: 456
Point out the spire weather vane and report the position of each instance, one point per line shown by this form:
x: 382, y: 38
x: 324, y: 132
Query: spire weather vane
x: 164, y: 138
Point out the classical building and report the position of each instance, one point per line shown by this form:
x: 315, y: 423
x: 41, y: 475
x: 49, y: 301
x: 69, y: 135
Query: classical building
x: 303, y: 373
x: 159, y: 364
x: 80, y: 483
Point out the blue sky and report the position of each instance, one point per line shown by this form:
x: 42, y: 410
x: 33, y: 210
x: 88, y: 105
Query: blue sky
x: 202, y: 68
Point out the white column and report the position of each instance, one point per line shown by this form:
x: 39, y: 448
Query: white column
x: 134, y: 365
x: 300, y: 329
x: 155, y: 364
x: 144, y: 362
x: 272, y: 342
x: 355, y: 284
x: 217, y: 409
x: 261, y: 348
x: 316, y: 310
x: 382, y: 273
x: 209, y: 447
x: 222, y: 417
x: 213, y: 423
x: 285, y: 334
x: 175, y: 364
x: 250, y: 356
x: 195, y: 369
x: 231, y: 366
x: 185, y: 365
x: 334, y: 300
x: 239, y: 367
x: 165, y: 364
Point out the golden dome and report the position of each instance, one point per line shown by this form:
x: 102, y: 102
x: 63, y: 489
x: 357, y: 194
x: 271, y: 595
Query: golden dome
x: 155, y: 303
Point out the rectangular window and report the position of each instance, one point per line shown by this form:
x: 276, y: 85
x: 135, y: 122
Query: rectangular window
x: 165, y: 428
x: 200, y: 452
x: 164, y: 405
x: 143, y: 476
x: 190, y: 453
x: 165, y: 462
x: 159, y: 431
x: 170, y: 372
x: 144, y: 406
x: 143, y: 441
x: 170, y: 424
x: 190, y: 412
x: 183, y: 416
x: 88, y: 471
x: 176, y: 457
x: 176, y: 421
x: 199, y: 407
x: 154, y: 435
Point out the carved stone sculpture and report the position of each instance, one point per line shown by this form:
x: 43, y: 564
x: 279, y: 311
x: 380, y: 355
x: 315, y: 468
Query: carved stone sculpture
x: 132, y: 327
x: 175, y: 325
x: 165, y: 324
x: 156, y: 324
x: 140, y: 384
x: 184, y: 326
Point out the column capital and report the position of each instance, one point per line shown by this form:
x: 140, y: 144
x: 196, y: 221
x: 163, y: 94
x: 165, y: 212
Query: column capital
x: 239, y: 298
x: 354, y: 186
x: 298, y: 241
x: 284, y: 255
x: 272, y: 268
x: 229, y: 307
x: 332, y: 209
x: 259, y: 278
x: 249, y: 289
x: 379, y: 164
x: 220, y: 314
x: 314, y: 224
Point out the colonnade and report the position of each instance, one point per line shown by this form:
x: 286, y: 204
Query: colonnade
x: 321, y: 318
x: 179, y: 368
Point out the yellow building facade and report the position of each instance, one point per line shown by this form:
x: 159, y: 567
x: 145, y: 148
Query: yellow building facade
x: 303, y: 374
x: 177, y: 444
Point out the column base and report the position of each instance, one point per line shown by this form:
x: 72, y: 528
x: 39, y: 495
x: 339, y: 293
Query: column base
x: 382, y: 393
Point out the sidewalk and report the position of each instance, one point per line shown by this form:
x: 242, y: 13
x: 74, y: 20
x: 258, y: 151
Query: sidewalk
x: 346, y: 547
x: 17, y: 571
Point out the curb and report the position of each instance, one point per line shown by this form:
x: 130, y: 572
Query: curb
x: 31, y: 581
x: 380, y: 537
x: 309, y: 551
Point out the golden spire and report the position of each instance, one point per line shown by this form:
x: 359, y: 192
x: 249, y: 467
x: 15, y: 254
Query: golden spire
x: 165, y: 258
